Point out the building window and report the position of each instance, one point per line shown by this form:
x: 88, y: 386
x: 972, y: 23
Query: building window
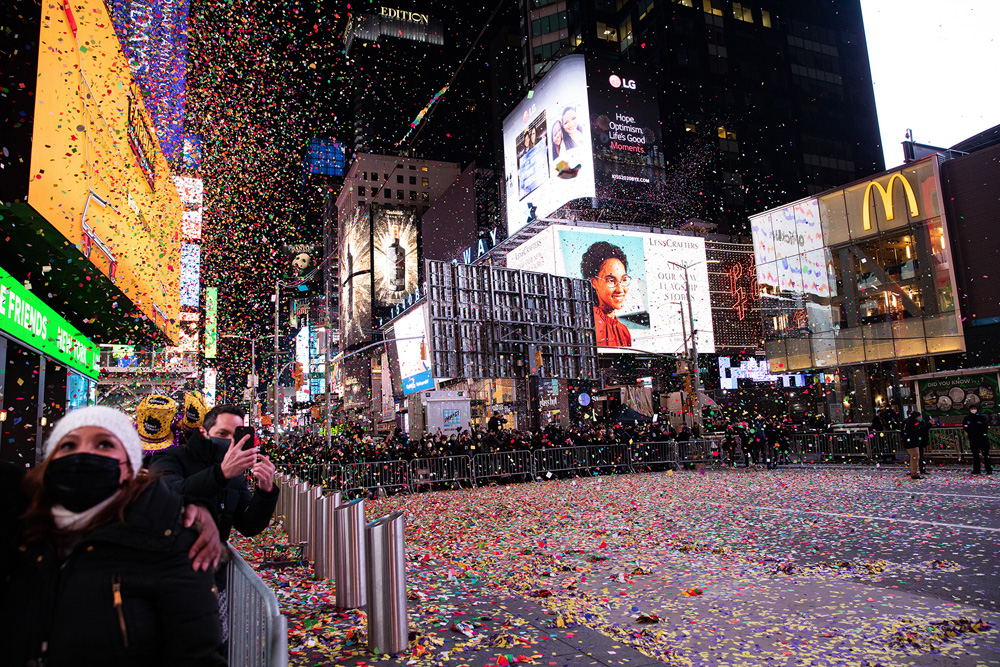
x: 426, y: 182
x: 645, y: 7
x: 387, y: 193
x: 606, y: 32
x: 413, y: 180
x: 713, y: 7
x: 423, y: 169
x: 551, y: 23
x: 741, y: 13
x: 399, y: 195
x: 399, y: 178
x: 625, y: 30
x: 413, y: 195
x: 413, y: 167
x: 724, y: 134
x: 375, y: 192
x: 684, y: 3
x: 361, y: 191
x: 690, y: 127
x: 719, y: 51
x: 365, y: 175
x: 765, y: 18
x: 424, y: 196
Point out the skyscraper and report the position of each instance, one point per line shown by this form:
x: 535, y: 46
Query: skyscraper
x: 759, y: 103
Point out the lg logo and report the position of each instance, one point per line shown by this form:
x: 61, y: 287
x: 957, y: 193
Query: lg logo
x: 617, y: 82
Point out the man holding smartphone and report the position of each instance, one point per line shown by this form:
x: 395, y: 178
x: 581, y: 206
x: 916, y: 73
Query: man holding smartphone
x: 212, y: 466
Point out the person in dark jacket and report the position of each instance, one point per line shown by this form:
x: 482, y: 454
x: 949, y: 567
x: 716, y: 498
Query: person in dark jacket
x: 95, y: 557
x: 916, y: 434
x: 977, y: 429
x: 211, y: 467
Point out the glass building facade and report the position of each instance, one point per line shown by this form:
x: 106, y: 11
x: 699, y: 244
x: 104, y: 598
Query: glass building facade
x: 860, y: 274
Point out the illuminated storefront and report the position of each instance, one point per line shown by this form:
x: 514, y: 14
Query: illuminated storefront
x: 858, y: 275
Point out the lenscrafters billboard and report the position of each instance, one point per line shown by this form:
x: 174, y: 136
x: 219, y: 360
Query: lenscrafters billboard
x: 394, y: 253
x: 637, y: 283
x: 589, y: 129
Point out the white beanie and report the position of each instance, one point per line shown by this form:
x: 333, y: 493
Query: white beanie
x: 111, y: 420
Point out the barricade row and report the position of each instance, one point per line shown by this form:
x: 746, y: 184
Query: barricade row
x: 522, y: 465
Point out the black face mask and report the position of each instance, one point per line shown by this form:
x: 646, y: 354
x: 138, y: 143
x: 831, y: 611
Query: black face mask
x: 80, y: 481
x: 220, y: 446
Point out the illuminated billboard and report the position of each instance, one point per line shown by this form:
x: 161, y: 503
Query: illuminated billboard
x: 355, y: 277
x: 98, y: 174
x: 637, y: 283
x: 211, y: 322
x: 588, y: 129
x: 153, y: 34
x: 394, y: 253
x: 412, y: 349
x: 190, y: 274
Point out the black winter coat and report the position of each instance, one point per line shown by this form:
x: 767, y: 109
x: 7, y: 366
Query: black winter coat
x: 976, y: 426
x: 916, y: 434
x: 124, y: 595
x: 193, y: 472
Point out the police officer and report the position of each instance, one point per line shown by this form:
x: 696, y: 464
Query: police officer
x: 977, y: 429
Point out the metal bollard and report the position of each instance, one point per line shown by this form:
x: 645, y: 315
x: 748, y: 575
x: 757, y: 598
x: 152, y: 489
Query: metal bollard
x: 386, y: 584
x: 324, y: 536
x: 312, y: 496
x: 305, y: 508
x: 349, y: 554
x: 295, y: 510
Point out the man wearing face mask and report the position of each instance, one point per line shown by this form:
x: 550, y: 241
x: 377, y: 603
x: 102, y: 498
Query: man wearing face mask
x: 977, y: 429
x: 212, y: 467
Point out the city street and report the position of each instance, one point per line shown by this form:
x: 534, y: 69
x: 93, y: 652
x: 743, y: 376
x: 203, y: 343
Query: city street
x: 835, y: 566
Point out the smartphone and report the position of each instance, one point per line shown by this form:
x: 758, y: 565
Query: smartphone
x: 242, y: 431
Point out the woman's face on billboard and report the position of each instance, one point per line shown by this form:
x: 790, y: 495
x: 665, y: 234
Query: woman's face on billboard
x: 569, y: 120
x: 557, y: 134
x: 611, y: 285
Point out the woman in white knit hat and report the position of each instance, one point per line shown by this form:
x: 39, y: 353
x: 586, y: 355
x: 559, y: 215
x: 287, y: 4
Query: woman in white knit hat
x: 94, y: 557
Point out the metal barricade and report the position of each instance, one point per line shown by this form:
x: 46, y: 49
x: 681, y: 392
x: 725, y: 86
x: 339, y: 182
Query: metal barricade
x: 948, y: 442
x: 647, y: 456
x: 377, y: 475
x: 694, y: 451
x: 325, y: 475
x: 505, y: 465
x: 349, y: 554
x: 561, y: 459
x: 613, y: 456
x: 386, y: 584
x: 258, y: 633
x: 428, y: 472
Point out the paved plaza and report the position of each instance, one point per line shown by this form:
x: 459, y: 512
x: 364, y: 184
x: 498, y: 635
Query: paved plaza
x: 830, y: 566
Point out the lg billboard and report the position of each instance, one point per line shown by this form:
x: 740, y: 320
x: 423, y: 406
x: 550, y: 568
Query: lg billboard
x: 637, y: 283
x: 589, y: 129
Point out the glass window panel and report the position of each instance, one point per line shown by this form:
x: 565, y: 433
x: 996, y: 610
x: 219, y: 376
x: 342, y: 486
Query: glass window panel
x: 818, y: 278
x: 799, y: 354
x: 767, y: 276
x: 909, y: 337
x: 878, y: 341
x: 824, y: 349
x: 926, y: 189
x: 833, y: 218
x: 776, y: 356
x: 807, y: 225
x: 790, y: 275
x: 942, y: 266
x: 786, y: 242
x: 850, y: 346
x: 943, y: 333
x: 763, y: 240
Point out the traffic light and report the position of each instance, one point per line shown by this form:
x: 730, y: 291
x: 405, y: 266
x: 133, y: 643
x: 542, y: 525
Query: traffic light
x: 299, y: 376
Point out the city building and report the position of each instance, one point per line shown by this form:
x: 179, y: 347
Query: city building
x: 885, y: 283
x: 759, y: 103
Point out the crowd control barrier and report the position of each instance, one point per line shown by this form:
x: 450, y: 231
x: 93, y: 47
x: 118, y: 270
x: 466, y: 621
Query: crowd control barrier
x: 584, y: 458
x: 376, y: 475
x: 324, y: 535
x: 424, y: 473
x: 386, y: 584
x: 519, y: 464
x: 349, y: 554
x: 258, y: 633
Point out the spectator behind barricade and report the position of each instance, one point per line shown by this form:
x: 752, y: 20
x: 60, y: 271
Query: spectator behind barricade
x: 977, y: 429
x: 916, y: 433
x: 94, y: 556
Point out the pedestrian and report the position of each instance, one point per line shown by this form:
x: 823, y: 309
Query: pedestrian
x: 977, y: 430
x: 916, y: 432
x: 94, y: 556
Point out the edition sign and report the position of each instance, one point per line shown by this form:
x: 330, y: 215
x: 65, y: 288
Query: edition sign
x: 402, y: 15
x: 24, y: 317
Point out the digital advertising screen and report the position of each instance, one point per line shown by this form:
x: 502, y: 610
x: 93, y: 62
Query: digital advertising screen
x: 395, y: 253
x: 547, y: 145
x: 413, y: 350
x: 637, y: 280
x: 625, y: 132
x: 355, y: 277
x: 98, y: 174
x: 153, y: 34
x: 591, y: 128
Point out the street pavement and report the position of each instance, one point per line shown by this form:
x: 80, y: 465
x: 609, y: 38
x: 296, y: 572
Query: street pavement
x: 825, y: 566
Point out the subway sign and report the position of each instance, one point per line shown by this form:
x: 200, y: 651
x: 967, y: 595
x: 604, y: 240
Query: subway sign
x: 25, y: 317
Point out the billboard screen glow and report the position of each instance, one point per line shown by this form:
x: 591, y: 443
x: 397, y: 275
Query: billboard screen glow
x: 638, y: 302
x: 414, y: 357
x: 394, y: 250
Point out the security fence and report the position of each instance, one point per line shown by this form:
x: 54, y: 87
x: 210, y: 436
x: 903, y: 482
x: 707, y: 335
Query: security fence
x: 524, y: 465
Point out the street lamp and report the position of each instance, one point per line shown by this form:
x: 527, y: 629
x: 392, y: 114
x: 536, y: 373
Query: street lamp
x: 696, y: 382
x: 253, y: 371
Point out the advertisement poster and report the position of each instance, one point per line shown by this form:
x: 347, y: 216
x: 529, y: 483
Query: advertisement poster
x: 355, y: 278
x: 638, y: 284
x: 952, y: 397
x: 98, y: 173
x: 625, y: 131
x: 412, y: 348
x: 547, y: 147
x: 395, y: 253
